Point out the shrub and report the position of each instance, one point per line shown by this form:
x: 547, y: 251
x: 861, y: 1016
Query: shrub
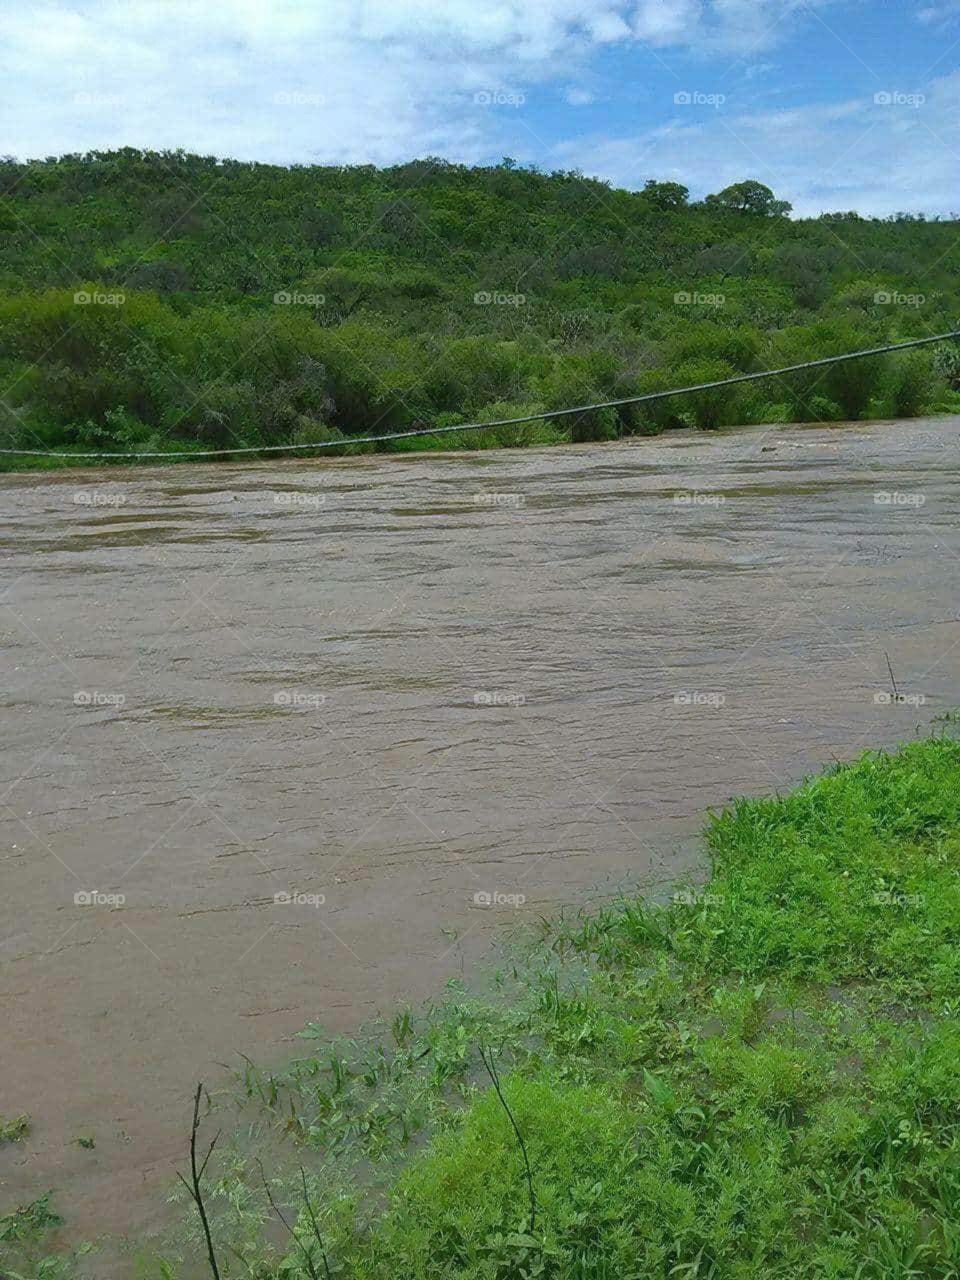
x: 714, y: 408
x: 912, y: 384
x: 601, y: 424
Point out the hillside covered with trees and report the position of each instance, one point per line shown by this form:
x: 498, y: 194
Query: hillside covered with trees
x: 164, y: 300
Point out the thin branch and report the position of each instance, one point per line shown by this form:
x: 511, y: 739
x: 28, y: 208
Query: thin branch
x: 308, y: 1258
x: 196, y: 1174
x: 893, y: 681
x: 488, y: 1062
x: 203, y: 1167
x: 314, y: 1223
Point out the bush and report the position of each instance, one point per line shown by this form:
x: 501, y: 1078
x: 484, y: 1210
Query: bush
x: 568, y: 385
x: 852, y: 383
x: 912, y: 384
x: 601, y: 424
x: 651, y: 417
x: 711, y: 409
x: 821, y: 409
x: 517, y: 434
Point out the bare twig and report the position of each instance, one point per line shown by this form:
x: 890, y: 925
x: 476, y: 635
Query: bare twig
x: 893, y: 680
x: 488, y: 1061
x: 307, y: 1256
x: 196, y: 1174
x: 314, y: 1223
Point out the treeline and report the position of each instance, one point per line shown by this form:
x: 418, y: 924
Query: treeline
x: 164, y: 300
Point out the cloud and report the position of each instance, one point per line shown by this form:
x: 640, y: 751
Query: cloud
x: 675, y: 22
x: 337, y: 81
x: 939, y: 14
x: 877, y: 153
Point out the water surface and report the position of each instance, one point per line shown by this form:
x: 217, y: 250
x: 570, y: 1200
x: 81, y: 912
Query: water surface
x: 406, y: 687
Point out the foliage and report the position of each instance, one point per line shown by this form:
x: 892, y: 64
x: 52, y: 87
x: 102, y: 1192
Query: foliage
x: 749, y: 197
x: 25, y: 1252
x: 29, y: 1220
x: 136, y: 314
x: 14, y: 1129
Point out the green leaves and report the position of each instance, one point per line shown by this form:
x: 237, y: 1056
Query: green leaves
x: 29, y: 1220
x: 429, y: 289
x: 661, y: 1093
x: 14, y: 1129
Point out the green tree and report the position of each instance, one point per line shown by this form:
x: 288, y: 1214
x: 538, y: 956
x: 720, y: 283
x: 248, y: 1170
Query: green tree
x: 666, y: 195
x: 749, y: 197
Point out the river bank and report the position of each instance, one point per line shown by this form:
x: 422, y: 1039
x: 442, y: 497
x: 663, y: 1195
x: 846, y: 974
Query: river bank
x: 757, y: 1074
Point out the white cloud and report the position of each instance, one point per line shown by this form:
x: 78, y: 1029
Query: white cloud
x: 397, y: 77
x: 673, y: 23
x: 578, y: 97
x: 939, y: 14
x: 858, y: 154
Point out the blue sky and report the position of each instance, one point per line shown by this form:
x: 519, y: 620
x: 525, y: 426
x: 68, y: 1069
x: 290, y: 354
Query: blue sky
x: 836, y: 104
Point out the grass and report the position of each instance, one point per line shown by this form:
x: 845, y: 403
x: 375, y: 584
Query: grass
x: 758, y: 1077
x: 14, y: 1129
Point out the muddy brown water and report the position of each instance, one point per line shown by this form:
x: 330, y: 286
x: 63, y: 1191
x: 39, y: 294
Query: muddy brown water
x: 383, y: 687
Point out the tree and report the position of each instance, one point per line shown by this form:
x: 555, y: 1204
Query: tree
x: 666, y: 195
x: 749, y: 197
x: 162, y: 275
x: 320, y: 226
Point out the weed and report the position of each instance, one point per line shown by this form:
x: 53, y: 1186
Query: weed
x: 14, y: 1130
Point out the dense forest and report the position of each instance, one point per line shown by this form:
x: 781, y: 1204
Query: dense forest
x: 168, y: 301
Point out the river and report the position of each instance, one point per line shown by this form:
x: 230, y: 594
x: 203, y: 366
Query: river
x: 294, y: 740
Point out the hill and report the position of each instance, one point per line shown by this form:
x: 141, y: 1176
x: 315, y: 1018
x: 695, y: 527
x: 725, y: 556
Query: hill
x: 155, y: 300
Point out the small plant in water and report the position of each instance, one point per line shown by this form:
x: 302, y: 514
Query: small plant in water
x: 15, y: 1129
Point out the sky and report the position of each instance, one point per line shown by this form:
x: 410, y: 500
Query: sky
x: 835, y: 104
